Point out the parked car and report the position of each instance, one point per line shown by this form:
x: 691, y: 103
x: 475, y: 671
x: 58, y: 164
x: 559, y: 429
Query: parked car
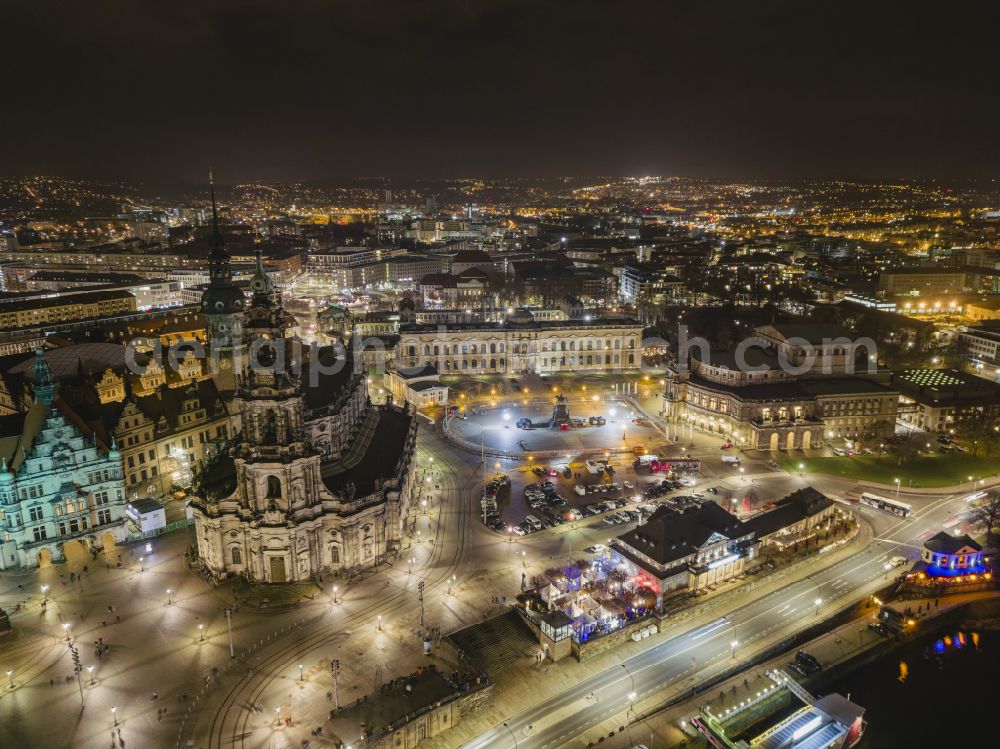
x: 808, y: 661
x: 580, y: 489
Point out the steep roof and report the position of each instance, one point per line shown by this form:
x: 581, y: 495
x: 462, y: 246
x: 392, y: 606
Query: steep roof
x: 671, y: 534
x: 946, y: 543
x: 797, y: 506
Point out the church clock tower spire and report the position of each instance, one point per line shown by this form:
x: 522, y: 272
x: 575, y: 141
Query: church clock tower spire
x: 222, y: 304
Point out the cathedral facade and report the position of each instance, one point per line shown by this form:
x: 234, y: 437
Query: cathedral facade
x: 318, y: 479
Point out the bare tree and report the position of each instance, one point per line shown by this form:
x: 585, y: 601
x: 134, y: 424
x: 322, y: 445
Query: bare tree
x: 986, y: 512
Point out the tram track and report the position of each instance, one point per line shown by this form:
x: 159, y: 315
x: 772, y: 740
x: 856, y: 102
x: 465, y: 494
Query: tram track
x: 445, y: 561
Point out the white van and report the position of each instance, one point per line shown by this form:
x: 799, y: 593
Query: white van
x: 580, y: 489
x: 534, y: 522
x: 644, y: 460
x: 731, y: 460
x: 594, y: 467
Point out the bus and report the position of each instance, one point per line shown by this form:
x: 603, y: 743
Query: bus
x: 893, y: 506
x: 678, y: 465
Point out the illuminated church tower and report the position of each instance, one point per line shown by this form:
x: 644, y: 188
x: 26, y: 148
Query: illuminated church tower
x: 222, y: 305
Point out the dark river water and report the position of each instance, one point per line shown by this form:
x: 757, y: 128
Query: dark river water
x: 935, y: 692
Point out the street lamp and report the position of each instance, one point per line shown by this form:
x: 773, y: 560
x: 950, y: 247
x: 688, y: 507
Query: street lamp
x: 10, y: 678
x: 410, y: 562
x: 300, y: 673
x: 379, y: 619
x: 818, y: 602
x: 510, y: 533
x: 45, y: 592
x: 524, y: 560
x: 142, y: 566
x: 733, y: 645
x: 90, y: 670
x: 334, y: 593
x: 897, y: 488
x: 201, y: 633
x: 451, y: 583
x: 66, y: 630
x: 801, y: 468
x: 169, y: 594
x: 114, y: 714
x: 743, y: 477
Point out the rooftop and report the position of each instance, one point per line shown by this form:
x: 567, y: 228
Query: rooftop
x: 946, y: 543
x: 670, y: 535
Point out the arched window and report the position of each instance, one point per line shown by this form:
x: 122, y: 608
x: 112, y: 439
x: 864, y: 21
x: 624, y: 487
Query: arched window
x: 273, y: 487
x: 436, y: 350
x: 236, y: 555
x: 335, y: 554
x: 427, y: 350
x: 493, y: 348
x: 411, y: 350
x: 493, y: 363
x: 631, y: 358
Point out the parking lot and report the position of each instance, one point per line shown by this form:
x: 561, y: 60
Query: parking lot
x: 531, y: 499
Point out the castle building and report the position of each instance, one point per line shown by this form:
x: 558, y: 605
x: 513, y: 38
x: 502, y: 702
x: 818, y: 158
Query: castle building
x: 62, y: 493
x: 222, y: 304
x: 318, y: 480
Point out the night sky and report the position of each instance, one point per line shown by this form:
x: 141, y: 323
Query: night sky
x: 301, y: 90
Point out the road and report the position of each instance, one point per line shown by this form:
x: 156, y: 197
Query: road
x: 677, y: 661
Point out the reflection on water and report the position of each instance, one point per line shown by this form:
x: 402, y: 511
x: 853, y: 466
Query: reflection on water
x: 906, y: 693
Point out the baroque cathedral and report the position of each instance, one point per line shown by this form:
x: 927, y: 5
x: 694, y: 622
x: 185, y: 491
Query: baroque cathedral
x: 317, y: 478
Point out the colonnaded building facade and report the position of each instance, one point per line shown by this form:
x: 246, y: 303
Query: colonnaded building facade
x: 519, y: 344
x: 318, y: 479
x: 762, y: 403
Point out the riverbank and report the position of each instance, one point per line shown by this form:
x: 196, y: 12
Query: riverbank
x: 852, y: 655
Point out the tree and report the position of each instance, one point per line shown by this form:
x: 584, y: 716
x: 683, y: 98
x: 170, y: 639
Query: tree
x: 986, y: 512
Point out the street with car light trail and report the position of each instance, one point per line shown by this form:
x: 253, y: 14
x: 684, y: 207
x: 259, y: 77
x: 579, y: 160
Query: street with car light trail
x: 676, y: 663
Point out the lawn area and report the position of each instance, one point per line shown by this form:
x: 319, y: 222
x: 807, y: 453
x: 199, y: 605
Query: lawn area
x: 924, y: 471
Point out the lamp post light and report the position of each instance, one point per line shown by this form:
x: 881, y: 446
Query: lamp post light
x: 170, y: 593
x: 818, y: 602
x: 90, y: 670
x: 229, y: 628
x: 114, y: 714
x: 510, y: 533
x: 733, y: 645
x: 301, y: 677
x: 142, y: 565
x: 201, y: 633
x: 379, y: 621
x: 451, y: 583
x: 897, y: 488
x: 45, y: 593
x: 277, y: 716
x: 801, y: 468
x: 334, y: 593
x: 410, y: 562
x: 524, y: 560
x: 743, y: 471
x: 66, y: 630
x: 10, y: 677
